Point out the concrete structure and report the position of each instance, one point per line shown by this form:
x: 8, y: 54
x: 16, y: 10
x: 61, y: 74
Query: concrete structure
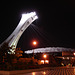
x: 49, y: 49
x: 68, y: 58
x: 25, y: 21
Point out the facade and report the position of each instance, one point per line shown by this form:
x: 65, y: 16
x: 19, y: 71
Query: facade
x: 68, y: 58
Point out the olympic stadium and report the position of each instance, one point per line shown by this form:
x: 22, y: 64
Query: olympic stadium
x: 48, y: 49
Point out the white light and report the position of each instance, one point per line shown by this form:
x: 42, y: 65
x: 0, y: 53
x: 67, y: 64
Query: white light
x: 45, y: 56
x: 46, y: 61
x: 36, y: 17
x: 42, y: 61
x: 49, y: 49
x: 34, y: 43
x: 27, y: 15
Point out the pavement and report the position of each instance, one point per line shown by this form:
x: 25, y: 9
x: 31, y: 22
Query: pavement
x: 55, y: 71
x: 42, y: 71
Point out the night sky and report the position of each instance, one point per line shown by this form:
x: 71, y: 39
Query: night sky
x: 55, y: 26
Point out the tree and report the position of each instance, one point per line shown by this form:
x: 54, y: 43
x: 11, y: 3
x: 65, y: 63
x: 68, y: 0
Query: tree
x: 4, y: 51
x: 7, y: 58
x: 18, y: 52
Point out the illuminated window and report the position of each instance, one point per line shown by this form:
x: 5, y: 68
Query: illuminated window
x: 47, y: 61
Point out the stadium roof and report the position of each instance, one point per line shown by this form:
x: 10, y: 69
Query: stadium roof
x: 49, y: 49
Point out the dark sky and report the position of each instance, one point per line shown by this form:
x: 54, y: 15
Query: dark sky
x: 54, y: 27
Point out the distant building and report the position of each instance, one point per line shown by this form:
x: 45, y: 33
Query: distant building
x: 68, y: 58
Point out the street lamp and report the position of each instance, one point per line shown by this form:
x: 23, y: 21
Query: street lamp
x: 34, y: 44
x: 45, y: 56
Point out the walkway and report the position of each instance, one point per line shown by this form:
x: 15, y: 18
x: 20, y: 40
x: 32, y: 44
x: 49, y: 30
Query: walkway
x: 56, y: 71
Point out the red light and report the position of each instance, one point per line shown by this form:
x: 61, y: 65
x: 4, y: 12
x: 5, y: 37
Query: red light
x: 34, y: 43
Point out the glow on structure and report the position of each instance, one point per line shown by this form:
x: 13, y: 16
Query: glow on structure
x: 26, y: 16
x: 25, y: 21
x: 49, y: 49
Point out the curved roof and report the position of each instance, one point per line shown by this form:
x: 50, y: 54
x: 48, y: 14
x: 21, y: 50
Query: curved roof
x: 49, y: 49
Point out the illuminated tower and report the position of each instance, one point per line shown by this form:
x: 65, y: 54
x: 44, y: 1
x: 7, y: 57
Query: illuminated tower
x: 25, y: 21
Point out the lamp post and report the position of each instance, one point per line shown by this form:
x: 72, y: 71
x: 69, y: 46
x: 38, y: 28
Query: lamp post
x: 34, y: 44
x: 45, y: 56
